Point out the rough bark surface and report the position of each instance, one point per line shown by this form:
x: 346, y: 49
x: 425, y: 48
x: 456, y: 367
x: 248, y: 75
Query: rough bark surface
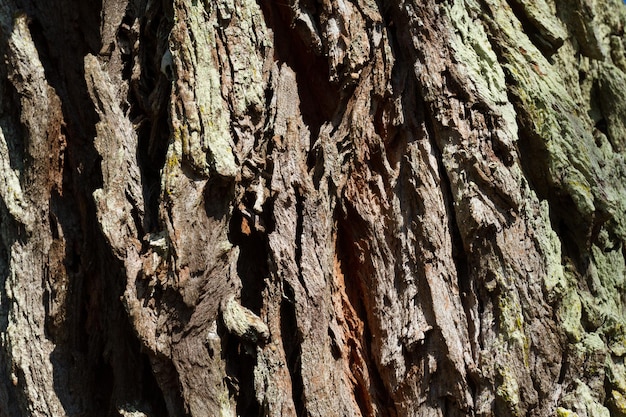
x: 312, y: 208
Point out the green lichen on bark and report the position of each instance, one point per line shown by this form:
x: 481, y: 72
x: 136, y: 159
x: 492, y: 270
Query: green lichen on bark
x: 365, y: 207
x: 243, y: 323
x: 473, y: 50
x: 218, y: 51
x: 200, y: 115
x: 616, y: 375
x: 574, y: 164
x: 561, y: 66
x: 246, y: 41
x: 508, y: 391
x: 583, y: 401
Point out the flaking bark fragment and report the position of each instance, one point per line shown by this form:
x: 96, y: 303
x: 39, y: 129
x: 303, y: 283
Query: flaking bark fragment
x: 243, y: 323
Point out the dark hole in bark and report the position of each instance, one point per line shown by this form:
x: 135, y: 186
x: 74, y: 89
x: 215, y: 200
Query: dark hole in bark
x: 217, y: 196
x: 252, y: 263
x: 103, y: 397
x: 151, y: 390
x: 253, y: 269
x: 11, y: 109
x: 603, y: 127
x: 148, y: 98
x: 291, y: 344
x: 241, y: 358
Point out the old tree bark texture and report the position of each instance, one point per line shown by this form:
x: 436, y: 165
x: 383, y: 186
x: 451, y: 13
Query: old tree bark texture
x: 312, y: 208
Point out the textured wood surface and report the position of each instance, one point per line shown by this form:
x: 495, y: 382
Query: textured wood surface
x: 312, y: 208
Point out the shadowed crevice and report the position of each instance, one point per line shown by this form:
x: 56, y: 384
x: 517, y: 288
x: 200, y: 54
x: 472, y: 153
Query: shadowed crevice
x: 292, y: 341
x: 8, y: 395
x: 542, y: 41
x: 373, y: 394
x: 246, y: 232
x: 97, y: 361
x: 148, y: 97
x: 240, y: 360
x: 319, y: 98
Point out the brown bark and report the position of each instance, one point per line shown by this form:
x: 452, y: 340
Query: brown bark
x: 312, y: 208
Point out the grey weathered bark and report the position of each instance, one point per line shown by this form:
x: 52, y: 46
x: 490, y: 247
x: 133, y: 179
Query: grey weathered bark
x: 312, y: 208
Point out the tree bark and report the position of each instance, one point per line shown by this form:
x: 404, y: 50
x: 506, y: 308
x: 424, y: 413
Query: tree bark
x: 312, y: 208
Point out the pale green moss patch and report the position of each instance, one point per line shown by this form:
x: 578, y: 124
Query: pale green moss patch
x: 472, y: 48
x: 214, y: 137
x: 616, y: 374
x: 200, y: 115
x: 512, y: 321
x: 242, y: 322
x: 247, y: 40
x: 508, y: 389
x: 543, y: 16
x: 618, y: 401
x: 550, y: 245
x: 564, y: 412
x: 570, y: 314
x: 583, y: 401
x: 591, y: 343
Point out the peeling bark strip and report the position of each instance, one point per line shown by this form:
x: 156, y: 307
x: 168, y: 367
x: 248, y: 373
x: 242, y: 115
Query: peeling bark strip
x: 312, y: 208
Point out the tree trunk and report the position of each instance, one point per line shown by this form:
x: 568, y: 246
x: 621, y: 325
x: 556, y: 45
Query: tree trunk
x: 312, y: 208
